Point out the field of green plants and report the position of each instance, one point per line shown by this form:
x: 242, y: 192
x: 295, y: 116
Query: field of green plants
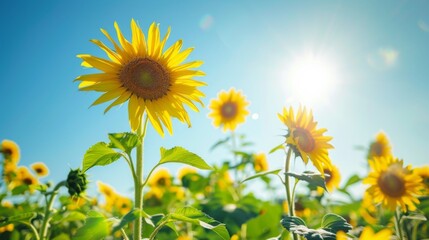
x: 205, y: 201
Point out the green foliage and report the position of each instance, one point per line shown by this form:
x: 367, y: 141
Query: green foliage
x: 314, y: 179
x: 262, y: 174
x: 181, y: 155
x: 96, y: 227
x: 124, y: 141
x: 100, y: 154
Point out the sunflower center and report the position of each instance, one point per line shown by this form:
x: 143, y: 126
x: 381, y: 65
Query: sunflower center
x: 146, y: 78
x: 229, y: 110
x: 305, y: 140
x: 7, y: 152
x: 27, y: 181
x: 39, y: 170
x: 162, y: 182
x: 391, y: 184
x: 328, y: 175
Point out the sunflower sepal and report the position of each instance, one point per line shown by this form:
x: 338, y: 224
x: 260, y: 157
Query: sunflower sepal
x: 312, y: 178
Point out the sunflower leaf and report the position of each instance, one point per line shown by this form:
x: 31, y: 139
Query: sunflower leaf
x: 219, y: 143
x: 333, y: 223
x: 181, y: 155
x: 297, y: 226
x: 261, y: 174
x: 129, y: 217
x: 124, y: 141
x: 96, y: 227
x: 196, y: 217
x: 312, y: 178
x: 100, y: 154
x: 276, y: 148
x: 17, y: 218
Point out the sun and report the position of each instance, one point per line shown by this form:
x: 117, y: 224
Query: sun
x: 311, y: 78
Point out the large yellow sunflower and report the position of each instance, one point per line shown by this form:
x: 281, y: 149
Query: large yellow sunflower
x: 229, y: 109
x: 154, y: 81
x: 423, y: 172
x: 307, y: 141
x: 380, y: 147
x: 392, y: 184
x: 10, y: 150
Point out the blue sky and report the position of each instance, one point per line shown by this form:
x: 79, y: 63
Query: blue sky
x: 377, y: 53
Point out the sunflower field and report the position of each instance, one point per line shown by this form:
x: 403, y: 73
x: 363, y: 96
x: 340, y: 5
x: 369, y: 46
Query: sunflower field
x: 240, y: 198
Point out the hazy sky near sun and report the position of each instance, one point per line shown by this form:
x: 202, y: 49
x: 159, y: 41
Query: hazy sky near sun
x: 369, y: 73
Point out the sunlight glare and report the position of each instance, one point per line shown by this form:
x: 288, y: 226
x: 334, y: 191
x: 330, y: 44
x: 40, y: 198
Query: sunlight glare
x: 312, y: 79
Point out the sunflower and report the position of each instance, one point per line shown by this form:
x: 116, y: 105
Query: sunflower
x: 185, y: 171
x: 368, y: 233
x: 40, y: 168
x: 423, y: 172
x: 332, y: 179
x: 123, y: 204
x: 307, y: 141
x: 161, y: 178
x: 392, y: 184
x: 10, y: 150
x: 154, y: 81
x: 229, y: 109
x: 260, y: 163
x: 380, y: 147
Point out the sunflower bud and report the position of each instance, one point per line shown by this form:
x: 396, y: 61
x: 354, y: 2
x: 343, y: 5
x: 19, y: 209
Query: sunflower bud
x: 76, y: 182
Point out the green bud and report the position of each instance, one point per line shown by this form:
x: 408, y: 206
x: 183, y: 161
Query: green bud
x: 76, y: 182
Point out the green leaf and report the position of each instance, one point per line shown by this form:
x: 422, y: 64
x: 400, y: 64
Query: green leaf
x: 352, y: 180
x: 124, y: 141
x: 129, y: 217
x: 19, y: 190
x: 312, y: 178
x: 62, y: 236
x: 71, y: 216
x: 261, y: 174
x: 415, y: 216
x: 99, y: 155
x: 17, y: 218
x: 96, y: 227
x: 218, y: 143
x: 195, y: 216
x: 276, y: 148
x: 181, y: 155
x: 333, y: 223
x: 297, y: 225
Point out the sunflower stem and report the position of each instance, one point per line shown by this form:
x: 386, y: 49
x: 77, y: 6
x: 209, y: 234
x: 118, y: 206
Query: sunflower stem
x: 138, y: 225
x: 43, y: 232
x: 398, y: 224
x: 290, y: 199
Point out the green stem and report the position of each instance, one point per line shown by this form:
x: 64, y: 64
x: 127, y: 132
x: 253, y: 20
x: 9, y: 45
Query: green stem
x: 44, y: 229
x: 33, y: 229
x: 124, y: 234
x: 290, y: 200
x: 398, y: 224
x: 237, y: 187
x: 138, y: 224
x: 156, y: 230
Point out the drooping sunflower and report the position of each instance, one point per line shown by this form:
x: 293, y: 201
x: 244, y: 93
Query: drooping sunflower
x: 153, y: 81
x: 380, y: 147
x: 392, y: 184
x: 160, y: 178
x: 229, y: 109
x: 368, y: 233
x: 260, y: 162
x: 40, y: 168
x: 332, y: 179
x: 305, y: 139
x: 10, y: 151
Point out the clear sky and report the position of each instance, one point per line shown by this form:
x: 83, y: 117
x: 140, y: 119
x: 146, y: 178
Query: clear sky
x: 367, y: 61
